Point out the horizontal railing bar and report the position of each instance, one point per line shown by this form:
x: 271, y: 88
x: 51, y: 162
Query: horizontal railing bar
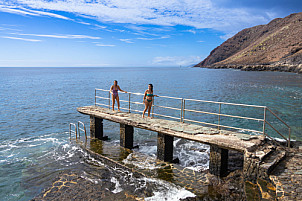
x: 101, y: 104
x: 102, y: 89
x: 225, y: 115
x: 161, y: 115
x: 276, y: 130
x: 223, y: 126
x: 169, y: 97
x: 137, y: 110
x: 102, y: 97
x: 138, y: 103
x: 172, y: 108
x: 135, y: 93
x: 225, y: 103
x: 278, y: 117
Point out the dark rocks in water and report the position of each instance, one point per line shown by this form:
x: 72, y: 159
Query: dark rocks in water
x: 276, y: 46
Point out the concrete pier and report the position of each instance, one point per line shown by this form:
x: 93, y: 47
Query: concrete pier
x: 96, y: 128
x: 126, y: 136
x: 165, y: 147
x: 218, y: 160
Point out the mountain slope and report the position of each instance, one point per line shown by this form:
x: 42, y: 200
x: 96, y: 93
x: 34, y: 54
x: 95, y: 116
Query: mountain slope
x: 274, y: 46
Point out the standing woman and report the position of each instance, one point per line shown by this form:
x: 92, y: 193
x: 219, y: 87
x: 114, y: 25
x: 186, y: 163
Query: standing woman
x: 148, y: 99
x: 114, y: 91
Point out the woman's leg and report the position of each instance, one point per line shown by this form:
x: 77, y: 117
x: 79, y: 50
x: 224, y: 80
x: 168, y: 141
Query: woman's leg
x: 146, y: 107
x: 149, y: 108
x: 113, y: 101
x: 118, y: 102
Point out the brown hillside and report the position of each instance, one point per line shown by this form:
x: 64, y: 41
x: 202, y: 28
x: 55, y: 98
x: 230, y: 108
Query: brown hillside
x: 275, y: 46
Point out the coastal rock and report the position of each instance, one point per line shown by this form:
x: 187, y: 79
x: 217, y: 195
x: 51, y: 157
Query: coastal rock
x: 276, y: 46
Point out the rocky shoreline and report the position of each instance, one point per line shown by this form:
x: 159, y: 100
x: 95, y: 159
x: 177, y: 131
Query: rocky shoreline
x: 259, y: 67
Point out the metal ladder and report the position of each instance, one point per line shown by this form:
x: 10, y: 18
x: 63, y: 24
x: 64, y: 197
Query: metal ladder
x: 77, y: 129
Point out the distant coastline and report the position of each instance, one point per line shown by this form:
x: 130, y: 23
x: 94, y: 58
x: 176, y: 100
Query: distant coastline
x: 278, y: 68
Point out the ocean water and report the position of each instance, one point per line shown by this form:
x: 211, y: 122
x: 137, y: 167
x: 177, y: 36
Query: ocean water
x: 37, y: 105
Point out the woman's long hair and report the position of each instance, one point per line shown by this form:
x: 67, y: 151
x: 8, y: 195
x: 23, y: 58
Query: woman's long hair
x: 151, y: 87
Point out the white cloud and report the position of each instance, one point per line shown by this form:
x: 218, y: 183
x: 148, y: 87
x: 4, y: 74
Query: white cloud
x: 191, y: 31
x: 162, y: 37
x: 195, y: 13
x: 103, y: 45
x: 227, y: 36
x: 24, y: 11
x: 176, y: 60
x: 24, y: 39
x: 61, y: 36
x: 126, y: 40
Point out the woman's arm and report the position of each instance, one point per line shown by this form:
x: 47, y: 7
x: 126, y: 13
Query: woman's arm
x: 120, y: 89
x: 111, y: 89
x: 145, y: 95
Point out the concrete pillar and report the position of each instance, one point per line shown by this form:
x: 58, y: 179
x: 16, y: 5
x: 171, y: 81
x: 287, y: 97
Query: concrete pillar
x: 126, y: 136
x: 96, y: 128
x: 165, y: 147
x: 218, y: 160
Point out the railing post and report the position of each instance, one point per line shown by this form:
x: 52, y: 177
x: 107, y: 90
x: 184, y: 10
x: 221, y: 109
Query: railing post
x: 181, y: 109
x: 219, y: 116
x: 264, y: 121
x: 79, y: 130
x: 129, y: 104
x: 94, y: 97
x: 109, y: 101
x: 183, y: 112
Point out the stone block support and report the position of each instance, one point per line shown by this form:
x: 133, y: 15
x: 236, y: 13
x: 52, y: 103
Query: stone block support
x: 251, y: 168
x: 126, y: 136
x: 96, y: 128
x: 218, y: 160
x: 165, y: 147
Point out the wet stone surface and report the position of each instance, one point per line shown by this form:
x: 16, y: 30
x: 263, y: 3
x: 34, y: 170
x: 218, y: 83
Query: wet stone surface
x: 72, y: 186
x: 287, y: 176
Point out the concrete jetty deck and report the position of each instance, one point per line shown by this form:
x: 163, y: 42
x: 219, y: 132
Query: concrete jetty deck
x: 206, y: 135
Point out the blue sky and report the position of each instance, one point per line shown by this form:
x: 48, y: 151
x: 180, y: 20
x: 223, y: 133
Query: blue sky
x: 118, y: 33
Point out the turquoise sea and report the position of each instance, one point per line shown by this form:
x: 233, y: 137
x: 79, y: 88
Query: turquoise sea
x: 37, y: 105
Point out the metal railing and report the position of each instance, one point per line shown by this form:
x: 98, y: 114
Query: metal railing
x: 182, y: 111
x: 71, y: 131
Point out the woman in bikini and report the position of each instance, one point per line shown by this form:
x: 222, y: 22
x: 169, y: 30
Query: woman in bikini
x: 148, y: 99
x: 114, y: 91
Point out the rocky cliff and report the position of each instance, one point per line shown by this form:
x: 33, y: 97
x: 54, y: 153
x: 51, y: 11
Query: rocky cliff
x: 275, y: 46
